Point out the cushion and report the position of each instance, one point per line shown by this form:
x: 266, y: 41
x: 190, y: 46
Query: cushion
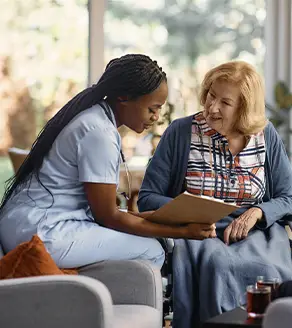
x: 29, y: 259
x: 142, y: 316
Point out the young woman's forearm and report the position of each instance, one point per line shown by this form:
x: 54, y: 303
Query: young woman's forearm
x: 135, y: 225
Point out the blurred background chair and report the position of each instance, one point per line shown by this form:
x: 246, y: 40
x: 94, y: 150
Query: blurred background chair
x: 17, y: 157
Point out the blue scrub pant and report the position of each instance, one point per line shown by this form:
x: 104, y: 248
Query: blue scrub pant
x: 75, y: 243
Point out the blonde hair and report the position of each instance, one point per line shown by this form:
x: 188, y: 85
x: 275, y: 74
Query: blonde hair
x: 251, y: 117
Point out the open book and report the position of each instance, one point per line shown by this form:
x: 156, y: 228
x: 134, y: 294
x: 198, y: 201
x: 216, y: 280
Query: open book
x: 187, y: 208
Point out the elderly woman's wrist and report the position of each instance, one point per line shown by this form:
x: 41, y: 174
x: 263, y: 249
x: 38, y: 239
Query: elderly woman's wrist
x: 259, y: 214
x: 261, y: 221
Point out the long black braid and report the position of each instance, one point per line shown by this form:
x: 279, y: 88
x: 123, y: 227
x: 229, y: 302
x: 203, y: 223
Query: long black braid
x: 131, y: 75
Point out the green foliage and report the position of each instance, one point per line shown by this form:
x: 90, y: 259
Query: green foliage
x: 48, y: 43
x: 283, y: 96
x: 198, y: 27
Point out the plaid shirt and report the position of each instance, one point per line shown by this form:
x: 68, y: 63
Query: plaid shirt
x: 214, y: 171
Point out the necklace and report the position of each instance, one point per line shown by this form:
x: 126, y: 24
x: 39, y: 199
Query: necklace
x: 128, y: 175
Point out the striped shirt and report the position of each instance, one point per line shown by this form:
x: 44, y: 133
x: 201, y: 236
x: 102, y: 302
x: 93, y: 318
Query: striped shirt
x: 214, y: 171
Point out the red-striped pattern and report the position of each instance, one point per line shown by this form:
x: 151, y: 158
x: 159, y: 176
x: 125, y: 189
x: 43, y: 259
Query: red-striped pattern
x: 240, y: 179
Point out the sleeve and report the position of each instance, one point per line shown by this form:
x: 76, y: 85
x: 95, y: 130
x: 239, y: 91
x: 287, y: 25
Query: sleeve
x: 157, y: 179
x: 280, y: 203
x: 98, y: 157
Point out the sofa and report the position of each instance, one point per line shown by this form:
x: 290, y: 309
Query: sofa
x: 109, y: 294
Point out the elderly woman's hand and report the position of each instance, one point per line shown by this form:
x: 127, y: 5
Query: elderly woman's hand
x: 238, y: 229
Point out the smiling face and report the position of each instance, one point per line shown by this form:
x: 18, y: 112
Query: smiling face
x: 141, y: 113
x: 221, y: 108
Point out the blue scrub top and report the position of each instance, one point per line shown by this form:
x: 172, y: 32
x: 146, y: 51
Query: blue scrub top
x: 87, y: 150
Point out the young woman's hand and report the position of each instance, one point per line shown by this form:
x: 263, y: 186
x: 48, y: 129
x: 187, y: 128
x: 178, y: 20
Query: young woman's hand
x: 192, y: 230
x: 238, y: 229
x: 200, y: 231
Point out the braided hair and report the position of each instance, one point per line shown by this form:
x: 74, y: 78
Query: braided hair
x: 132, y: 75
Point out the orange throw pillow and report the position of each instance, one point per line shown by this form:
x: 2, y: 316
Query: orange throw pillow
x: 29, y: 259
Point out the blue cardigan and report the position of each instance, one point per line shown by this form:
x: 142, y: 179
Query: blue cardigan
x: 165, y: 174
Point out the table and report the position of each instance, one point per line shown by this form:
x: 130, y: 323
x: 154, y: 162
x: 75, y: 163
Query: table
x: 236, y: 318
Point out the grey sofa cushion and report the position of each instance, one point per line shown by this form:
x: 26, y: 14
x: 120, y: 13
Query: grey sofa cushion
x: 138, y: 316
x: 138, y: 282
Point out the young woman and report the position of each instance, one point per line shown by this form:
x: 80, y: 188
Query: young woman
x: 65, y: 191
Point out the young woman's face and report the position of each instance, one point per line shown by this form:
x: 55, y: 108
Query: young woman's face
x: 221, y: 107
x: 143, y: 112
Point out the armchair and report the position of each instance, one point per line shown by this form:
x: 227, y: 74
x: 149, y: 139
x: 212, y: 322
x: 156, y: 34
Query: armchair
x: 122, y: 294
x: 136, y: 291
x: 55, y: 301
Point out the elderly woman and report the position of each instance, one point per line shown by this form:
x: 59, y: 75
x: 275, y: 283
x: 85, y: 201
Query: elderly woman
x: 228, y: 151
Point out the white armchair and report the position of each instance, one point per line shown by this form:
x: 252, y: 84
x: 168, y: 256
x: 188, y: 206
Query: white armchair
x: 109, y: 294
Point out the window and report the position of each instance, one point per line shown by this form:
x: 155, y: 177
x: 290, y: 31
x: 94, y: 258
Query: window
x: 44, y: 50
x: 187, y: 38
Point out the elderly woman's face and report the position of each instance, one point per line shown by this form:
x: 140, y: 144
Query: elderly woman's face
x: 221, y: 107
